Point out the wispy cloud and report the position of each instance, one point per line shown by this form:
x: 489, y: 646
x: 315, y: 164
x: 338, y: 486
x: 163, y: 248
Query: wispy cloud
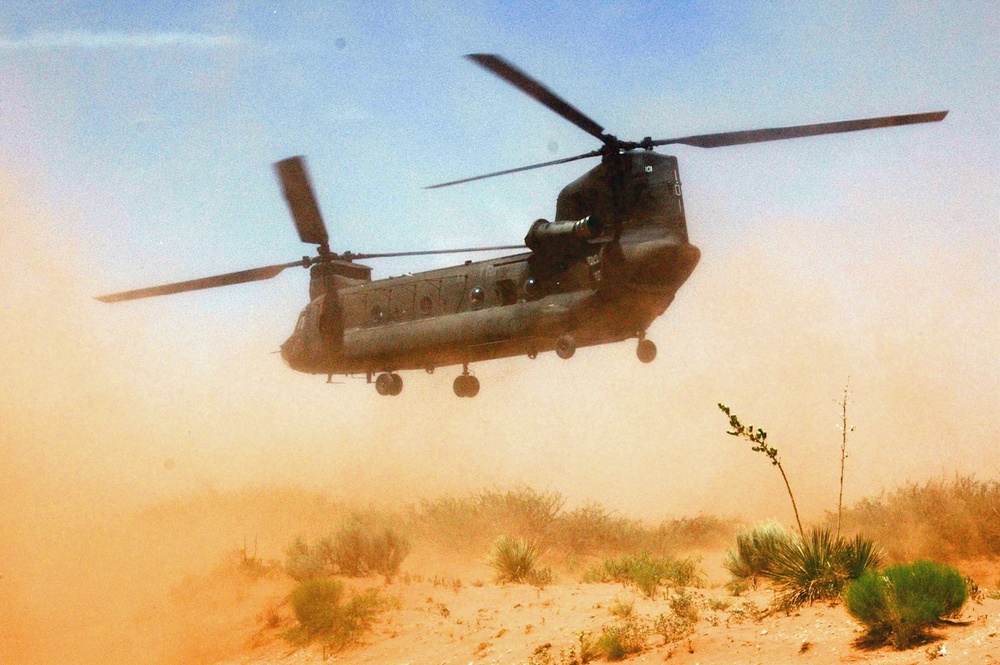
x: 79, y: 39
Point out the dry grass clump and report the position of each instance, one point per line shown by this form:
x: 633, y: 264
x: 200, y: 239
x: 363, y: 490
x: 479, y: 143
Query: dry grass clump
x: 941, y: 519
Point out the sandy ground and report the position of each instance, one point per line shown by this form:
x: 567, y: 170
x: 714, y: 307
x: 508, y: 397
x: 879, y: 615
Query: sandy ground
x: 450, y: 620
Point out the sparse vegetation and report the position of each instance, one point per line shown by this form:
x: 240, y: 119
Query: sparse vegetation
x: 645, y: 572
x: 479, y: 519
x: 902, y: 602
x: 323, y: 616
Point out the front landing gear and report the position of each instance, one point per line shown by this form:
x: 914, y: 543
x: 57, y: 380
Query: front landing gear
x: 646, y: 350
x: 389, y: 384
x: 465, y: 384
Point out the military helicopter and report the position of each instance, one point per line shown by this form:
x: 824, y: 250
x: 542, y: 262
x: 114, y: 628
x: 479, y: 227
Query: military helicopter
x: 602, y: 271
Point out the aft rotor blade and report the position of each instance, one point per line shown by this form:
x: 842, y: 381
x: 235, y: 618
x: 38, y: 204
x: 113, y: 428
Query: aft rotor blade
x: 428, y: 252
x: 539, y: 92
x: 593, y: 153
x: 798, y: 131
x: 301, y: 200
x: 240, y: 277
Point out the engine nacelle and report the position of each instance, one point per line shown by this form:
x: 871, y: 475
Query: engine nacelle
x: 562, y: 237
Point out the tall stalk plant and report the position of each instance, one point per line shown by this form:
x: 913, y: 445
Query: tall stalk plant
x: 758, y: 438
x: 843, y: 450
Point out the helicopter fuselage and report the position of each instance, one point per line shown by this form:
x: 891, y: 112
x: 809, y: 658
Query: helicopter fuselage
x: 565, y: 292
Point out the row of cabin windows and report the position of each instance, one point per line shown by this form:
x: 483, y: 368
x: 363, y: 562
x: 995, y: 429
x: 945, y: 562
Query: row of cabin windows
x: 506, y: 293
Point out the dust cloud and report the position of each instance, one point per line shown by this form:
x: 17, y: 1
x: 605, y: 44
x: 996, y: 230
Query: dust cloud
x: 140, y: 443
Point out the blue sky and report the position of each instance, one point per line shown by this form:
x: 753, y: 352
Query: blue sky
x: 144, y: 133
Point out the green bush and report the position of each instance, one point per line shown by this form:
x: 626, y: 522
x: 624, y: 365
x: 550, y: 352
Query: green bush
x: 514, y: 560
x: 323, y: 616
x: 902, y: 602
x: 645, y: 572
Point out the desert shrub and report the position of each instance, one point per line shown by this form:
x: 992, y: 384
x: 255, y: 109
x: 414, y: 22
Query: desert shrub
x: 356, y: 550
x: 903, y: 601
x: 303, y: 562
x: 479, y: 518
x: 322, y: 614
x: 940, y: 519
x: 700, y: 532
x: 622, y: 639
x: 514, y: 560
x: 591, y: 529
x: 755, y: 551
x: 645, y: 572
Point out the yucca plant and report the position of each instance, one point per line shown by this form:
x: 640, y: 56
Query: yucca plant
x: 514, y: 560
x: 820, y: 566
x: 808, y: 570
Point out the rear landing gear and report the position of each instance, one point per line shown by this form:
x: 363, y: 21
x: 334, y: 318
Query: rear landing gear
x: 389, y: 384
x: 465, y: 384
x: 646, y: 350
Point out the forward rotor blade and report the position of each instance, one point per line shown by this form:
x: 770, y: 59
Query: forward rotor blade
x: 799, y: 131
x: 362, y: 257
x: 301, y: 200
x: 240, y: 277
x: 593, y: 153
x: 539, y: 92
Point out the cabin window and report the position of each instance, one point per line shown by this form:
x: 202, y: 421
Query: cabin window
x: 426, y: 305
x: 477, y: 296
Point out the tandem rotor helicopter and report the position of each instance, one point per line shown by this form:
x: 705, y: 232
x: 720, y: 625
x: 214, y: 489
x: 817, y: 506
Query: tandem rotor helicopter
x: 602, y: 271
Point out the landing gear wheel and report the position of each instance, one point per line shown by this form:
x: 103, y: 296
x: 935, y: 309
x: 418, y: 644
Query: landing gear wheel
x: 466, y: 385
x: 565, y: 347
x: 397, y: 385
x: 646, y: 351
x: 383, y: 384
